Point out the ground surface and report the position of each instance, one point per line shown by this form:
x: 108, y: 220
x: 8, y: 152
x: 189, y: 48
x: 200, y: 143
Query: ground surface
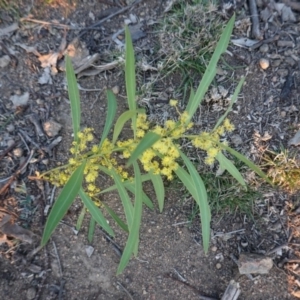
x: 171, y: 263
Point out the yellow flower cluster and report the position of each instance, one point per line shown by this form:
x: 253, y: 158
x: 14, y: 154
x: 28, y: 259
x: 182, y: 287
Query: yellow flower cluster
x: 161, y: 157
x: 209, y: 141
x: 95, y: 158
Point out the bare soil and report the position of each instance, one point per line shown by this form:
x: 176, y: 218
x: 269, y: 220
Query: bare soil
x: 171, y: 263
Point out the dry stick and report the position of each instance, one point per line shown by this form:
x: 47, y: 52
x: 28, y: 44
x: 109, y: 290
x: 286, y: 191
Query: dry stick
x: 49, y: 23
x: 60, y: 272
x: 12, y: 177
x: 92, y: 27
x: 125, y: 290
x: 270, y: 40
x: 202, y: 297
x: 255, y: 20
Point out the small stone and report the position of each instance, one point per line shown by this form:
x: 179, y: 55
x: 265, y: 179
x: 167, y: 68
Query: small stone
x: 19, y: 100
x: 89, y: 250
x: 264, y: 48
x: 18, y: 152
x: 10, y: 143
x: 250, y: 263
x: 116, y: 89
x: 214, y: 248
x: 264, y: 63
x: 276, y: 63
x: 4, y: 61
x: 290, y: 61
x: 31, y: 292
x: 236, y: 139
x: 218, y: 266
x: 51, y: 128
x: 10, y: 128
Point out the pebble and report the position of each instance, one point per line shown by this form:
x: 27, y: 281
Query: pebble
x: 18, y: 152
x: 10, y: 128
x: 116, y: 89
x: 250, y: 263
x: 218, y: 266
x: 214, y: 248
x: 10, y: 143
x: 31, y: 292
x: 4, y: 61
x: 264, y: 48
x: 276, y: 63
x: 51, y: 128
x: 264, y: 63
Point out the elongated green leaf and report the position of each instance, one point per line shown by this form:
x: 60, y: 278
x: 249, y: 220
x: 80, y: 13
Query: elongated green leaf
x: 63, y: 202
x: 146, y: 142
x: 246, y: 161
x: 130, y: 76
x: 91, y: 229
x: 226, y: 164
x: 116, y: 218
x: 95, y: 212
x: 232, y: 101
x: 145, y: 198
x: 125, y: 116
x: 201, y: 199
x: 74, y: 97
x: 186, y: 179
x: 126, y: 202
x: 211, y: 69
x: 111, y: 112
x: 133, y: 238
x: 159, y: 190
x: 80, y: 218
x: 126, y: 183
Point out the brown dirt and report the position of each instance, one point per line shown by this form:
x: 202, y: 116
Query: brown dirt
x: 169, y: 244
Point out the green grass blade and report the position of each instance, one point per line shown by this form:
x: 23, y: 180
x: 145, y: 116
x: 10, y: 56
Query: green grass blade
x: 95, y: 212
x: 63, y: 202
x: 122, y: 120
x: 226, y: 164
x: 126, y: 183
x: 126, y: 202
x: 74, y: 97
x: 133, y: 238
x: 111, y: 112
x: 145, y: 198
x: 159, y: 190
x: 116, y: 218
x: 233, y: 100
x: 211, y: 69
x: 146, y: 142
x: 130, y: 76
x: 247, y: 162
x: 201, y: 200
x: 80, y: 218
x: 91, y: 229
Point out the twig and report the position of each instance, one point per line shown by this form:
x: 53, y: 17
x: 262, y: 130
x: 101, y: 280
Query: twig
x: 34, y: 120
x: 24, y: 142
x: 255, y: 20
x: 7, y: 150
x: 270, y: 40
x: 92, y: 27
x: 58, y: 260
x: 125, y: 290
x: 29, y: 139
x: 49, y: 23
x: 202, y: 297
x: 21, y: 168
